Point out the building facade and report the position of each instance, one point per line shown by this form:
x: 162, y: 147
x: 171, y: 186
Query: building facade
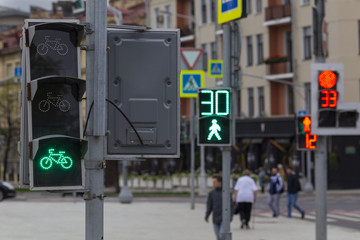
x: 277, y: 51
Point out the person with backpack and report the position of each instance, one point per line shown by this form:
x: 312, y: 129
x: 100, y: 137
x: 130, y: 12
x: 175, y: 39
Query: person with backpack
x: 293, y: 187
x: 275, y: 187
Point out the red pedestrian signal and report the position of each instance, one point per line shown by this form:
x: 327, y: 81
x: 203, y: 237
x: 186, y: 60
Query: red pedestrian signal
x: 305, y: 139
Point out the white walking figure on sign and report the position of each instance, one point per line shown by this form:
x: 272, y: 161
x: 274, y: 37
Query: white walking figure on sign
x: 215, y: 128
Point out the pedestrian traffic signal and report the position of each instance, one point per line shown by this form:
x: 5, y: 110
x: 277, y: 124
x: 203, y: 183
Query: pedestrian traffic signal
x: 214, y: 113
x: 305, y: 139
x: 330, y: 114
x: 328, y: 97
x: 54, y: 93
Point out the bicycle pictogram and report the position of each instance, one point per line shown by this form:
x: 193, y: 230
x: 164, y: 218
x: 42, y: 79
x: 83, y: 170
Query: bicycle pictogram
x: 56, y: 101
x: 58, y: 158
x: 54, y: 44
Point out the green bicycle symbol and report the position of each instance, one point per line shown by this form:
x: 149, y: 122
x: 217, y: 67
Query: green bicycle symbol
x: 59, y: 158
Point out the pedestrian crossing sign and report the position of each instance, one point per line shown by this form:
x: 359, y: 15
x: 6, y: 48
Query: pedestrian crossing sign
x: 215, y: 68
x: 190, y: 82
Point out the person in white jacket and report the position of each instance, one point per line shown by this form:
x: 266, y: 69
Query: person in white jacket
x: 275, y: 187
x: 244, y: 196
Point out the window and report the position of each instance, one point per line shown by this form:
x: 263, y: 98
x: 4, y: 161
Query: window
x: 250, y: 92
x: 213, y: 10
x: 238, y: 103
x: 249, y: 51
x: 157, y: 17
x: 305, y: 2
x: 261, y: 101
x: 258, y: 6
x: 307, y: 42
x: 359, y: 35
x: 203, y: 11
x: 192, y: 14
x: 213, y: 50
x: 205, y: 55
x: 167, y: 16
x: 9, y: 70
x: 290, y: 99
x: 260, y: 49
x: 248, y: 6
x: 307, y: 94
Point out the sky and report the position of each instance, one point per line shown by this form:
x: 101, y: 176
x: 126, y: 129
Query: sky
x: 24, y: 5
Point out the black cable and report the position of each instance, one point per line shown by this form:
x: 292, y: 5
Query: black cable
x: 132, y: 126
x: 88, y: 117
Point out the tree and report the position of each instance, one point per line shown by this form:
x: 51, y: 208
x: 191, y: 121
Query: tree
x: 9, y: 118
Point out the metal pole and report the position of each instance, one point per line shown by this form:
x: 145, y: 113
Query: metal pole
x: 320, y: 188
x: 226, y: 152
x: 202, y: 179
x: 321, y: 153
x: 95, y: 91
x: 125, y: 195
x: 192, y: 161
x: 308, y: 186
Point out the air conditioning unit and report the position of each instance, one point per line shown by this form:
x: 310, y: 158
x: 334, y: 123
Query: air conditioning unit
x: 160, y: 18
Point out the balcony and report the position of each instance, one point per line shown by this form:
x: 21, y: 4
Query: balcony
x: 276, y: 15
x: 279, y: 70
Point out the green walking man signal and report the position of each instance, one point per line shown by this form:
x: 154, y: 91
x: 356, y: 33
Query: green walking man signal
x: 214, y: 113
x: 214, y: 129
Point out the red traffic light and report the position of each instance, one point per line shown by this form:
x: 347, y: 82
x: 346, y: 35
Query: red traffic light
x: 327, y: 79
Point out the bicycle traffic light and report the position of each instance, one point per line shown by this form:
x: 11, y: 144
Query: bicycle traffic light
x: 54, y: 94
x: 214, y: 113
x: 330, y: 115
x: 306, y: 140
x: 56, y: 162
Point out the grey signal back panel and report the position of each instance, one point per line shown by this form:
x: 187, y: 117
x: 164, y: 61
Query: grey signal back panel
x: 143, y: 81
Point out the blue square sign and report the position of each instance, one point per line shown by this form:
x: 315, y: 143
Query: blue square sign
x: 228, y: 5
x: 17, y: 71
x: 190, y: 82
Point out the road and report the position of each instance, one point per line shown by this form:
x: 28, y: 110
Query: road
x: 44, y: 216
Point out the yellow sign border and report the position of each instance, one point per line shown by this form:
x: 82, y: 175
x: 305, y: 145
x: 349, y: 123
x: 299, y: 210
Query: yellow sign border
x: 202, y: 82
x: 230, y: 15
x: 209, y: 68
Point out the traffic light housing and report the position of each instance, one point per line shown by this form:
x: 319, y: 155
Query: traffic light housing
x: 57, y: 162
x: 214, y: 114
x: 305, y: 139
x: 54, y: 93
x: 330, y: 115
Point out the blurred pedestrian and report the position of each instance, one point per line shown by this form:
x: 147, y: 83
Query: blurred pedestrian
x: 275, y: 187
x: 262, y: 179
x: 293, y: 187
x: 214, y: 205
x: 244, y: 196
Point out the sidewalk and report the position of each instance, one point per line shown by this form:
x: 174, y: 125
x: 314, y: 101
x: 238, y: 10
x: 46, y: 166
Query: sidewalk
x: 144, y: 221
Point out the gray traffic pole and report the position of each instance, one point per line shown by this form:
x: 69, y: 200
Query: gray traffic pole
x: 96, y: 12
x: 192, y: 160
x: 202, y: 178
x: 125, y: 195
x: 308, y: 186
x: 226, y: 151
x: 321, y: 153
x: 320, y: 188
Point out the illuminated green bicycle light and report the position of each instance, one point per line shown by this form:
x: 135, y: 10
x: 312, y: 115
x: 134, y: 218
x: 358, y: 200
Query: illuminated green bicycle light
x: 60, y: 158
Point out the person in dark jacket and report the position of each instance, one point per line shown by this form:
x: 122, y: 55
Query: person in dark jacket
x: 293, y: 187
x: 214, y: 205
